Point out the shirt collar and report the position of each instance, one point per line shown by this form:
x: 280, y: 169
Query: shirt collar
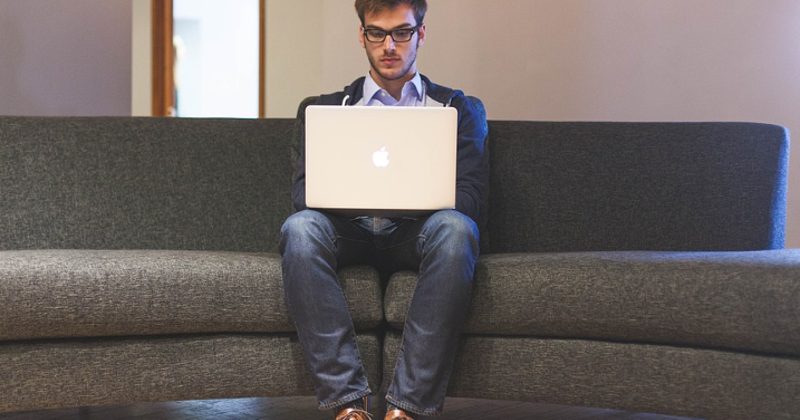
x: 371, y: 88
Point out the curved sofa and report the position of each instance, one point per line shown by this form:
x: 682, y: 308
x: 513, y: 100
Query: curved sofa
x: 637, y: 266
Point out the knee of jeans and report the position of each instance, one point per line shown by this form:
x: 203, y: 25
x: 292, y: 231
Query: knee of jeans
x: 456, y: 228
x: 305, y: 225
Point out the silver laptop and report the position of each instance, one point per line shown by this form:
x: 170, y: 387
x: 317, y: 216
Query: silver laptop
x: 381, y: 159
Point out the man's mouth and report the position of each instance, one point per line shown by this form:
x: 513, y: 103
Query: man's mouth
x: 390, y: 60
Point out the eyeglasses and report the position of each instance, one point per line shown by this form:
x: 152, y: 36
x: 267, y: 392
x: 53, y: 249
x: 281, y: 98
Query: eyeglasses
x: 398, y: 35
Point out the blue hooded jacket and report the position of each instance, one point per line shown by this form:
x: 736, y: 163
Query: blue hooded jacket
x: 472, y: 169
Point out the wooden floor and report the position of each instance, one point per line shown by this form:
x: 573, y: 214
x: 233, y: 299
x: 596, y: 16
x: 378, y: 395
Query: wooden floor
x: 304, y: 408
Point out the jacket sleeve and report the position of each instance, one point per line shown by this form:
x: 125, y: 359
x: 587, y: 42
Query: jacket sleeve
x: 299, y: 154
x: 299, y: 176
x: 472, y: 173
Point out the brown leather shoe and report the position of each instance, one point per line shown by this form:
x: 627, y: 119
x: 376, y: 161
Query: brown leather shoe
x: 352, y: 413
x: 397, y: 414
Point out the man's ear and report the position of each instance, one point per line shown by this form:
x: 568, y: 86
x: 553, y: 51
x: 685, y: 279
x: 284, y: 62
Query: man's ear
x: 421, y: 35
x: 361, y: 36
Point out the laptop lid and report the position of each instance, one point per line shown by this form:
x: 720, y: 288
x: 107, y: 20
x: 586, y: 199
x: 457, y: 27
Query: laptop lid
x: 381, y: 158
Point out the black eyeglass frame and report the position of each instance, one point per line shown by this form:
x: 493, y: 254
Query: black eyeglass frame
x: 411, y: 29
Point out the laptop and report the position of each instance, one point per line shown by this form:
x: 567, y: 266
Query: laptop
x: 381, y: 160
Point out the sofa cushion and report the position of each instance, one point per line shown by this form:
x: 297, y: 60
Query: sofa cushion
x: 744, y: 301
x: 699, y: 383
x: 76, y: 293
x: 144, y: 183
x: 101, y: 371
x: 615, y: 186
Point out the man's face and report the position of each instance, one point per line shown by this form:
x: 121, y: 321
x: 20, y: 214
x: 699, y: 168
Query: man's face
x: 391, y: 60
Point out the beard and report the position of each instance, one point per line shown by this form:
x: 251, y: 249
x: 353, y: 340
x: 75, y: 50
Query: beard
x: 394, y: 73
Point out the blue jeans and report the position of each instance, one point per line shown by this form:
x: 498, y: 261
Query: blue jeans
x: 443, y: 247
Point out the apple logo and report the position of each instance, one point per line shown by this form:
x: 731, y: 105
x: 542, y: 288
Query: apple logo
x: 381, y: 158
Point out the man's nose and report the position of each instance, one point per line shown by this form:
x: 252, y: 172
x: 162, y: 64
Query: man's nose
x: 389, y: 43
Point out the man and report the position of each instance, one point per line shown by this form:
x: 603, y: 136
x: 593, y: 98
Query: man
x: 442, y: 246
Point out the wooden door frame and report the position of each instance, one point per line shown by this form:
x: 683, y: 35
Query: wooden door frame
x: 262, y: 58
x: 164, y: 59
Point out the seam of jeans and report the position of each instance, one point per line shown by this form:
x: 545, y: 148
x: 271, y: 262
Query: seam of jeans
x: 397, y: 245
x: 332, y: 239
x: 346, y: 399
x: 397, y: 358
x: 352, y: 338
x: 422, y: 240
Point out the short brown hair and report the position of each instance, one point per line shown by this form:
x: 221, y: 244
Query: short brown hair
x: 363, y: 7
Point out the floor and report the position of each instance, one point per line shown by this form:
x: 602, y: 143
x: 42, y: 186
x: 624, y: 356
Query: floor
x: 304, y: 408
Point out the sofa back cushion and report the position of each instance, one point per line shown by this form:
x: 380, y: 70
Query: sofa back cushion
x: 593, y: 186
x: 144, y: 183
x: 223, y: 184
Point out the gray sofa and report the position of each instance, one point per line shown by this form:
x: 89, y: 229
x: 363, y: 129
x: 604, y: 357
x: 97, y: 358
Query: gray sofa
x: 637, y: 266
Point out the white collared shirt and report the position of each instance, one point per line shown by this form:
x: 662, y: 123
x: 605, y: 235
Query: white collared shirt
x: 413, y: 93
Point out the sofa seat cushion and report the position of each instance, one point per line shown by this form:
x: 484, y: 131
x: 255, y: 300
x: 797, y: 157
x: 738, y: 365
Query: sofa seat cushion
x: 742, y: 301
x: 679, y: 381
x: 50, y: 374
x: 81, y: 293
